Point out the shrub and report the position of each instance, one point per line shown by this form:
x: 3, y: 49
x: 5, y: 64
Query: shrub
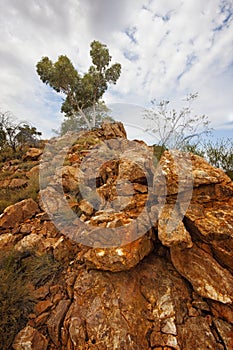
x: 173, y: 129
x: 16, y: 301
x: 17, y: 272
x: 11, y: 196
x: 158, y: 151
x: 40, y: 269
x: 218, y: 153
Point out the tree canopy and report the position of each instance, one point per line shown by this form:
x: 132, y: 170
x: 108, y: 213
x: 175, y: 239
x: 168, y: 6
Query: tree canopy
x: 72, y: 123
x: 82, y: 91
x: 14, y: 134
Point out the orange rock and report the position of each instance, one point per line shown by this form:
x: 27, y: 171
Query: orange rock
x: 43, y: 306
x: 30, y: 338
x: 33, y: 154
x: 15, y: 214
x: 55, y: 321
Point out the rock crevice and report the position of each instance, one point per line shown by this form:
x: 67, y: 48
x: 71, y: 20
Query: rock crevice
x: 157, y: 272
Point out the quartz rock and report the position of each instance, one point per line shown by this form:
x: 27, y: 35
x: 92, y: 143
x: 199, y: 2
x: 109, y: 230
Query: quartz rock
x: 29, y: 338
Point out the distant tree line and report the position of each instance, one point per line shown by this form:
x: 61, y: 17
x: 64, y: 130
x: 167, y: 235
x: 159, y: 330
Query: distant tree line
x: 15, y: 135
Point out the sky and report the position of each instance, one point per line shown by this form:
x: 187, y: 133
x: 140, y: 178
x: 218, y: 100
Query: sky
x: 167, y: 49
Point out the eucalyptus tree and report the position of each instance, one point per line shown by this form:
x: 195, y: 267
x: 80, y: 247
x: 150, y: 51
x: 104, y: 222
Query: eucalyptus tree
x: 81, y: 92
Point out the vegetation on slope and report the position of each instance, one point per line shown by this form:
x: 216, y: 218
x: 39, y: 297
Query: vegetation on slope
x: 20, y: 273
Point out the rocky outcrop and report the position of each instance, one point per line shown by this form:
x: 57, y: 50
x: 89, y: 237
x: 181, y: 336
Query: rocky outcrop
x: 18, y: 180
x: 29, y: 338
x: 17, y: 213
x: 146, y: 247
x: 13, y: 183
x: 108, y: 187
x: 33, y: 154
x: 204, y: 273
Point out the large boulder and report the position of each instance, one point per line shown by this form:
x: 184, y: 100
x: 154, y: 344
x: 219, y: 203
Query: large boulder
x: 33, y: 154
x: 148, y: 307
x: 204, y: 273
x: 17, y: 213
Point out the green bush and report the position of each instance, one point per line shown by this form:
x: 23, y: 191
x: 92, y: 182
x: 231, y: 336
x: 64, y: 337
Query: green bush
x: 7, y: 153
x: 218, y: 153
x: 85, y: 142
x: 158, y: 151
x: 230, y: 174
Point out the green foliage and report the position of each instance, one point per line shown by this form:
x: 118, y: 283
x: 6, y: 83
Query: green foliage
x: 230, y: 174
x: 3, y: 137
x: 81, y: 92
x: 27, y: 135
x: 174, y: 129
x: 158, y: 151
x: 8, y: 130
x: 17, y: 272
x: 7, y: 153
x: 14, y: 136
x: 195, y: 148
x: 218, y: 153
x: 72, y: 123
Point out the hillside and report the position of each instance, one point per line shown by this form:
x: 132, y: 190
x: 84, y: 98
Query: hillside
x: 118, y: 249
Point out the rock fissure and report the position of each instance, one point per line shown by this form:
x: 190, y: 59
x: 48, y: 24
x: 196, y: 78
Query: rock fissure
x: 164, y: 278
x: 217, y: 336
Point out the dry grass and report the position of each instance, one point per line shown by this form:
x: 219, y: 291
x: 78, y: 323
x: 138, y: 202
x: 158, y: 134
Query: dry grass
x: 86, y: 142
x: 11, y: 196
x: 230, y: 174
x: 17, y: 272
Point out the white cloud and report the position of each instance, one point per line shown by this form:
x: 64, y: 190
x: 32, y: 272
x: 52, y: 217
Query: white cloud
x: 167, y: 48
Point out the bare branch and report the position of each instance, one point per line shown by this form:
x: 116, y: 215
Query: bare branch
x: 175, y: 128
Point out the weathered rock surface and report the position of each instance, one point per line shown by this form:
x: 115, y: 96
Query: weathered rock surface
x: 121, y: 258
x: 55, y: 321
x: 183, y: 171
x: 30, y: 339
x: 13, y: 183
x: 170, y: 232
x: 34, y: 171
x: 104, y: 190
x: 158, y: 270
x: 118, y: 311
x: 18, y: 212
x: 33, y: 154
x: 146, y: 308
x: 204, y: 273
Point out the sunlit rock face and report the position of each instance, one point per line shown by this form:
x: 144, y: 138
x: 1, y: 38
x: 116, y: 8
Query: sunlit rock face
x: 102, y: 196
x: 15, y: 214
x: 145, y: 245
